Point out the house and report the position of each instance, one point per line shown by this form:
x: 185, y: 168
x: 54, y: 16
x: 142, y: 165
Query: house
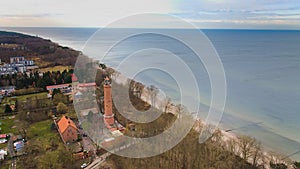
x: 2, y: 154
x: 64, y: 88
x: 21, y: 60
x: 19, y: 145
x: 3, y: 136
x: 2, y: 141
x: 16, y: 138
x: 67, y: 129
x: 86, y: 86
x: 7, y: 90
x: 16, y: 59
x: 17, y: 65
x: 59, y: 87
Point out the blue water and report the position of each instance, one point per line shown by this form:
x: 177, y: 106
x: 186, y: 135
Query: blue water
x: 262, y: 70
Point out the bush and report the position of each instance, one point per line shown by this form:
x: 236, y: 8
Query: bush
x: 27, y: 91
x: 61, y: 108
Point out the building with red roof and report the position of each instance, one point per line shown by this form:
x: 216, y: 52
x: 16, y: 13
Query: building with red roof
x: 67, y: 129
x: 93, y: 84
x: 61, y: 86
x: 2, y: 136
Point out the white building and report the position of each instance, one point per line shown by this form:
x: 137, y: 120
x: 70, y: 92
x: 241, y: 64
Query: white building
x: 2, y: 154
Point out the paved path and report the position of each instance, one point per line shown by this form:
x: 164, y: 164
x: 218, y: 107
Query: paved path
x: 10, y: 146
x: 102, y: 158
x: 98, y: 161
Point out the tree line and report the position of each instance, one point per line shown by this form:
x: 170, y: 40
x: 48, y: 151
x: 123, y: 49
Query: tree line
x: 37, y: 79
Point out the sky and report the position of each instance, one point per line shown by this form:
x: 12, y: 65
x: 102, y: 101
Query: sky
x: 223, y: 14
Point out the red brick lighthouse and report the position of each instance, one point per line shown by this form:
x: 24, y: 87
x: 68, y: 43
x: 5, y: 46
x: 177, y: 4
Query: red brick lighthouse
x: 108, y: 114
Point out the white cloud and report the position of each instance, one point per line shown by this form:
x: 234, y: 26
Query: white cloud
x: 99, y: 13
x: 78, y: 12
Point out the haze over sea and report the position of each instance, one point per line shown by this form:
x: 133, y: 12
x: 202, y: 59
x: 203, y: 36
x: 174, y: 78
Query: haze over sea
x: 262, y: 70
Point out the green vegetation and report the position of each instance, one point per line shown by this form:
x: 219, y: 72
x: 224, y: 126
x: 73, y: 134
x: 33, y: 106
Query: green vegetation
x: 7, y: 125
x: 27, y: 91
x: 59, y: 98
x: 39, y: 96
x: 36, y: 80
x: 7, y: 109
x: 41, y: 131
x: 61, y: 108
x: 46, y: 148
x: 6, y: 101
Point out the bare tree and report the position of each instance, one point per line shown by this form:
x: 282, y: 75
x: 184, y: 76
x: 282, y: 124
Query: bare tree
x: 250, y: 150
x: 165, y: 104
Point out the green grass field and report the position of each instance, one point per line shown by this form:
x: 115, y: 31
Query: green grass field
x: 6, y: 125
x: 41, y: 132
x: 38, y: 95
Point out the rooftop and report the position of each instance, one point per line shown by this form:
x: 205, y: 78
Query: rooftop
x: 64, y: 123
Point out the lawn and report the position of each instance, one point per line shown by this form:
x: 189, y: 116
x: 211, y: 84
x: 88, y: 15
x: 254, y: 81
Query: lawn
x: 47, y: 145
x: 2, y: 146
x: 6, y: 125
x: 38, y: 95
x: 41, y: 132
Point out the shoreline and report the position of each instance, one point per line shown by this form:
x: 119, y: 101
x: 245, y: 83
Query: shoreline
x: 227, y: 136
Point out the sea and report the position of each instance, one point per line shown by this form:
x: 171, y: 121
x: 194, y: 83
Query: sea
x: 262, y: 69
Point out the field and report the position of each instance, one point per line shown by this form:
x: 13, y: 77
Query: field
x: 6, y: 125
x: 41, y: 132
x: 55, y: 68
x: 36, y: 95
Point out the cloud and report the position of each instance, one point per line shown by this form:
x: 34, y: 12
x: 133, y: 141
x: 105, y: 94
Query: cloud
x: 98, y: 13
x: 42, y: 15
x: 232, y: 13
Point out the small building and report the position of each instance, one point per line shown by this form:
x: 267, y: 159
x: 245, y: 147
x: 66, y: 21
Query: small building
x: 7, y: 90
x: 3, y: 136
x: 17, y: 59
x: 60, y: 87
x: 84, y: 87
x: 21, y: 60
x: 78, y: 95
x: 16, y: 138
x: 67, y: 129
x: 2, y: 154
x: 19, y: 145
x: 87, y: 85
x: 3, y: 140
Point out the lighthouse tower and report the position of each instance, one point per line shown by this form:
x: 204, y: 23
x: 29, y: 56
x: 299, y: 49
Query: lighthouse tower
x: 108, y: 114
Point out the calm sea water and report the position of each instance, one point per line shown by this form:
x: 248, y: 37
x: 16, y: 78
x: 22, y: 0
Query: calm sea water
x: 262, y: 70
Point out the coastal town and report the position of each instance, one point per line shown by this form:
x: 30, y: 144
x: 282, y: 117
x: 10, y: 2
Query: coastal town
x: 48, y: 122
x: 57, y: 99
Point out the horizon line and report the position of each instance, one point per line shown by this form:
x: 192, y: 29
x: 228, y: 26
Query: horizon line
x: 264, y: 29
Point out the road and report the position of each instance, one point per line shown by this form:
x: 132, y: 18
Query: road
x: 98, y: 161
x: 10, y: 146
x: 102, y: 158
